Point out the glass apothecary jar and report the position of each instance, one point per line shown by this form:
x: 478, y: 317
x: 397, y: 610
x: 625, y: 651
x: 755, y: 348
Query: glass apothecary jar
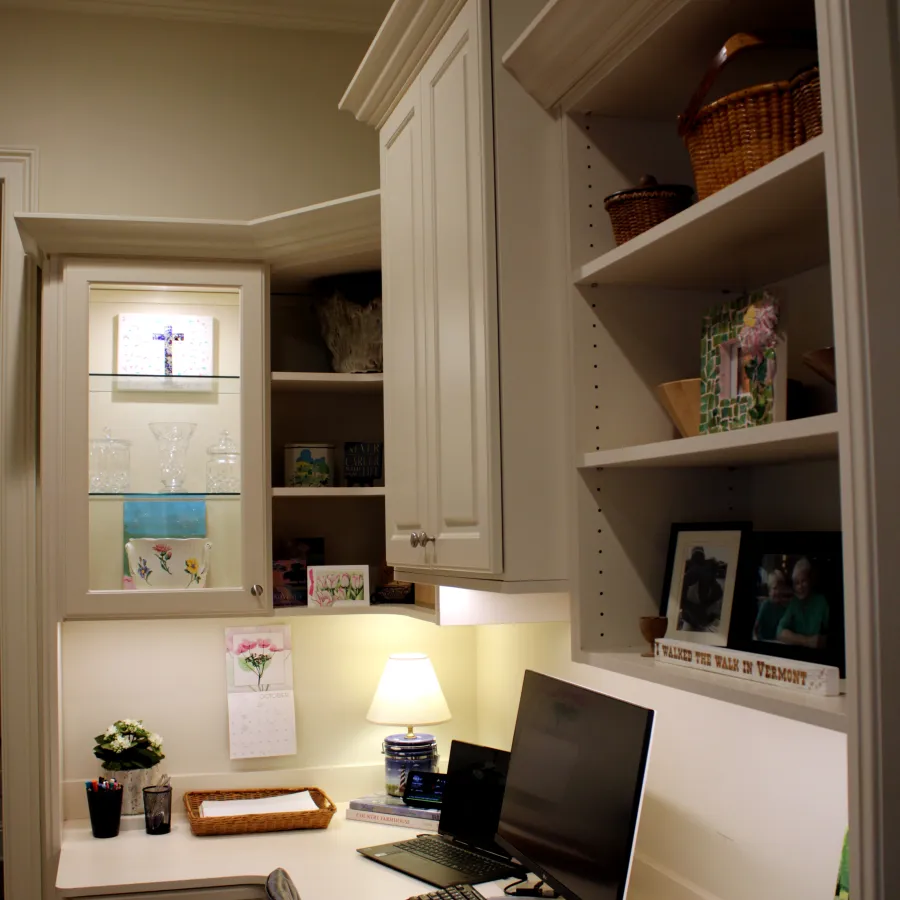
x: 110, y: 464
x: 223, y: 466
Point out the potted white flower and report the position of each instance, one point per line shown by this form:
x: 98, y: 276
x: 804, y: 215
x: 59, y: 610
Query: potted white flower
x: 131, y: 755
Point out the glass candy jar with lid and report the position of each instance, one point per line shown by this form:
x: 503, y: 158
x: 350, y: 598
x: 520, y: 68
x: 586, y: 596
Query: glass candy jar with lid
x: 223, y: 467
x: 110, y: 464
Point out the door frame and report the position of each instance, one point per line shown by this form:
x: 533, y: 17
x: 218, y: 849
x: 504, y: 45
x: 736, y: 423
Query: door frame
x: 27, y: 660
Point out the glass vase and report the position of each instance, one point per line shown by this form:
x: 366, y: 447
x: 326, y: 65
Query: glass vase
x: 172, y: 440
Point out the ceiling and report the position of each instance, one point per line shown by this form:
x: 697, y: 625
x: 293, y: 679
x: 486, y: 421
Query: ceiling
x: 359, y: 16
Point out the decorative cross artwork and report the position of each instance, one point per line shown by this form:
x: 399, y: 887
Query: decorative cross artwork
x: 188, y: 344
x: 168, y: 336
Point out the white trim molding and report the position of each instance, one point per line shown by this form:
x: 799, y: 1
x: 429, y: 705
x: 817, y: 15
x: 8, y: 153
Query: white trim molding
x: 859, y: 52
x: 325, y: 239
x: 27, y: 722
x: 349, y: 16
x: 396, y: 55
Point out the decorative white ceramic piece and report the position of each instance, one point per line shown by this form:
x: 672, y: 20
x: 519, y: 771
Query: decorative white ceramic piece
x: 163, y: 564
x: 133, y: 782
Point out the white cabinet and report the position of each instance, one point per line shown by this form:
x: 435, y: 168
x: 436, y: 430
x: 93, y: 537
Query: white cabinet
x: 403, y: 279
x: 144, y: 366
x: 474, y: 488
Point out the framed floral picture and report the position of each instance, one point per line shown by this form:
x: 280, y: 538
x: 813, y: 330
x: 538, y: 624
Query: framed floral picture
x: 337, y: 585
x: 743, y: 365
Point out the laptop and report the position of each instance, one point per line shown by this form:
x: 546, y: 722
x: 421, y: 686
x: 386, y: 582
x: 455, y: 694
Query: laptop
x: 464, y: 851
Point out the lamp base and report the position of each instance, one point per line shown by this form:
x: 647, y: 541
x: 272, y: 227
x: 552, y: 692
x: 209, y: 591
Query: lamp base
x: 403, y: 754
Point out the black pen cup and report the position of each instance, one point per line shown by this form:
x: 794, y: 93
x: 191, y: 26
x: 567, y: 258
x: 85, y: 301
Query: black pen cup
x: 158, y: 809
x: 105, y: 808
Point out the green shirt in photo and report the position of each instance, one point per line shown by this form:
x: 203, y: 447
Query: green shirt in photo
x: 806, y: 617
x: 768, y: 620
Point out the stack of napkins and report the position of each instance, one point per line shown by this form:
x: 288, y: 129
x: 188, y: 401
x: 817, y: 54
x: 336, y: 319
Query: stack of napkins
x: 299, y: 801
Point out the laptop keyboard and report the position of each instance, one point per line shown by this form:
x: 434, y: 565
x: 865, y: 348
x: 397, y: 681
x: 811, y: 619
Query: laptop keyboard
x: 453, y: 857
x: 455, y: 892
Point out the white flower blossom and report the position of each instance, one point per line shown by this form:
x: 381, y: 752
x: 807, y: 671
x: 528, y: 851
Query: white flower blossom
x: 111, y: 731
x: 156, y: 740
x: 122, y: 743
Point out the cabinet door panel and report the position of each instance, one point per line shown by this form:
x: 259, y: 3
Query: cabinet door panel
x: 145, y: 365
x: 406, y: 473
x: 461, y: 296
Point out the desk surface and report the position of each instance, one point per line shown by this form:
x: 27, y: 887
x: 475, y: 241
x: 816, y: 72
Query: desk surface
x: 324, y: 864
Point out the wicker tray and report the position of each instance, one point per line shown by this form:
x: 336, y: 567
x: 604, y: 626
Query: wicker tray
x: 288, y: 821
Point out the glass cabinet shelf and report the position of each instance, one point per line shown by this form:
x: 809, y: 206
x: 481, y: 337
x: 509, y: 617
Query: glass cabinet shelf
x: 105, y: 382
x: 160, y: 496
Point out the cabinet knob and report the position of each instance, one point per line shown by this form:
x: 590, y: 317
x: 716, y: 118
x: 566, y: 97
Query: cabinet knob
x: 415, y: 537
x: 257, y: 590
x: 424, y: 540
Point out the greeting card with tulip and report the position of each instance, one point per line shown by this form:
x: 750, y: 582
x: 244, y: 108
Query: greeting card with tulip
x: 258, y: 658
x: 338, y: 585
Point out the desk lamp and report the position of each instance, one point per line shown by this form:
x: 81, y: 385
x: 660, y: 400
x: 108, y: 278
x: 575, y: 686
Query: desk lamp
x: 408, y: 694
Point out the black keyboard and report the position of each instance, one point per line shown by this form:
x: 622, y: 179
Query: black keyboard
x: 454, y: 857
x: 459, y: 892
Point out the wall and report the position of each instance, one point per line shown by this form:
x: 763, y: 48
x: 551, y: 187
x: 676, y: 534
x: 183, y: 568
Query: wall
x: 155, y: 118
x: 739, y: 805
x: 171, y: 674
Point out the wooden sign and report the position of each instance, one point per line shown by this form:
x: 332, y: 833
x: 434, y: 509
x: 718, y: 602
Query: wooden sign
x: 787, y: 673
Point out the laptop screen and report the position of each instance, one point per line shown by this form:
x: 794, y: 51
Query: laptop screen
x: 473, y: 795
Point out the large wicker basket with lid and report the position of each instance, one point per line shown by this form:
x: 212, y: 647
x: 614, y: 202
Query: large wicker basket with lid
x: 744, y: 130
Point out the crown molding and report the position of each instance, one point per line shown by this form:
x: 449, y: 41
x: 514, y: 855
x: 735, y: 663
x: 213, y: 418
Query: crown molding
x: 352, y: 17
x: 396, y: 56
x: 341, y: 235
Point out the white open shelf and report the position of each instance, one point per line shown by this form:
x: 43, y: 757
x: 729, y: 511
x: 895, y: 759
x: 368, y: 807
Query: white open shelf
x: 815, y: 437
x: 633, y: 58
x: 764, y: 227
x: 287, y: 382
x: 342, y: 235
x: 335, y: 492
x: 826, y: 712
x: 411, y: 610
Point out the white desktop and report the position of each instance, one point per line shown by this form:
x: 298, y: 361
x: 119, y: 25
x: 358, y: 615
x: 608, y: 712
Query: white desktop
x: 323, y: 863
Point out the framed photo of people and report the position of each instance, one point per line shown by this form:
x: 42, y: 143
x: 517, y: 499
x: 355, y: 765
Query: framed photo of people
x: 702, y: 574
x: 791, y: 600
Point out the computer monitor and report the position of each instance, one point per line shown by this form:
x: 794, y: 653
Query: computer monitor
x: 574, y: 787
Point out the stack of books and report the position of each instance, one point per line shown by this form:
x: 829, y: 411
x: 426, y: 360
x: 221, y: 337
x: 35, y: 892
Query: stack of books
x: 386, y: 810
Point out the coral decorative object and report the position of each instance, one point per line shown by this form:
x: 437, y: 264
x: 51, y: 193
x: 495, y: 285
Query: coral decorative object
x: 352, y: 333
x: 160, y: 564
x: 652, y: 629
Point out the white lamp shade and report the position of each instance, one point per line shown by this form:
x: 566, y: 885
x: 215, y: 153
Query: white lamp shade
x: 408, y: 693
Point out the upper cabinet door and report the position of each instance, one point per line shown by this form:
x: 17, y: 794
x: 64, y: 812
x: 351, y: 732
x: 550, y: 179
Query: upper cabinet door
x: 155, y: 428
x: 461, y: 298
x: 405, y: 435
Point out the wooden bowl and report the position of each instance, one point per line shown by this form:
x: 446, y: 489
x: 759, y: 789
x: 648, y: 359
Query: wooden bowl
x: 653, y: 628
x: 681, y: 400
x: 822, y: 363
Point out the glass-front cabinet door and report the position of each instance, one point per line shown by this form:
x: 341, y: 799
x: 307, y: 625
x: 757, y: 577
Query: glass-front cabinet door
x: 155, y: 437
